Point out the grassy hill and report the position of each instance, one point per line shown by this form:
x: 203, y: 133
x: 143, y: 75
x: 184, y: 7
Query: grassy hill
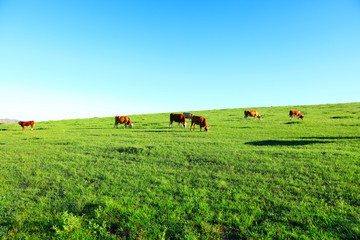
x: 275, y: 178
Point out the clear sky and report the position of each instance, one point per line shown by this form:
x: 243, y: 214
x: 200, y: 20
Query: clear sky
x: 82, y: 59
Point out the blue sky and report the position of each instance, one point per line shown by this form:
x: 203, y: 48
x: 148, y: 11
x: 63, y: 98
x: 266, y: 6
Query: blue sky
x: 83, y: 59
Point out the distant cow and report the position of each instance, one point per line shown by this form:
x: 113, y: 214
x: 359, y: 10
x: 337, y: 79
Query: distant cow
x: 188, y: 115
x: 200, y: 121
x: 179, y: 118
x: 121, y: 120
x: 28, y: 123
x: 251, y: 113
x: 296, y: 113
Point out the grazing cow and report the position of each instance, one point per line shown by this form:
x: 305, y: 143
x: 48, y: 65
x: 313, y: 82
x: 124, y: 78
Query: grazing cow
x: 179, y: 118
x: 121, y: 120
x: 28, y: 123
x: 251, y: 113
x: 200, y: 121
x: 188, y: 115
x: 296, y: 113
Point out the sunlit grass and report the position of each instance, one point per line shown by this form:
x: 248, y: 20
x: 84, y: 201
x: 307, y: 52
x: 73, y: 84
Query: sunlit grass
x: 273, y: 178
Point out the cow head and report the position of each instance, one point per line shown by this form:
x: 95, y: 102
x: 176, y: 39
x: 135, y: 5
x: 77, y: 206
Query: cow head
x: 132, y: 125
x: 301, y: 116
x: 184, y: 125
x: 259, y: 117
x: 207, y: 128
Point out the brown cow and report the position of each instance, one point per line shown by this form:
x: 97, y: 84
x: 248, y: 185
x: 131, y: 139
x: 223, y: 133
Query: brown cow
x: 121, y: 120
x: 179, y: 118
x: 296, y: 113
x: 251, y: 113
x: 200, y: 121
x: 25, y: 124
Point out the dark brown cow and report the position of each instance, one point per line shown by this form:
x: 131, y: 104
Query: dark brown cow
x: 296, y: 113
x: 179, y: 118
x: 200, y: 121
x: 121, y: 120
x: 251, y: 113
x: 28, y: 123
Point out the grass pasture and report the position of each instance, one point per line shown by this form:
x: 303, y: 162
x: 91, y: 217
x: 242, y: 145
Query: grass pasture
x: 275, y: 178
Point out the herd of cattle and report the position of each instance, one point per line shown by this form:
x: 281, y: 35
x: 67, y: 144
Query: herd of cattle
x: 181, y: 119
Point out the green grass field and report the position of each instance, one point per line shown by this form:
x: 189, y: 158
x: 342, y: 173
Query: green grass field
x: 275, y: 178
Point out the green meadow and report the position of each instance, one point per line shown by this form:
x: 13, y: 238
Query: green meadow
x: 268, y: 179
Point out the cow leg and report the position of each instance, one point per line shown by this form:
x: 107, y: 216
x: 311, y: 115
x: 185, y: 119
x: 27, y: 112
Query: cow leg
x: 23, y: 128
x: 178, y: 124
x: 124, y: 125
x: 32, y: 127
x: 170, y: 125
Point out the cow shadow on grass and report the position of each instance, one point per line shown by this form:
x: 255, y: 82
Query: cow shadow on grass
x: 160, y: 131
x: 332, y: 138
x: 11, y: 129
x: 14, y: 130
x: 175, y: 129
x: 285, y: 142
x: 129, y: 150
x: 297, y: 122
x: 41, y: 128
x: 342, y: 117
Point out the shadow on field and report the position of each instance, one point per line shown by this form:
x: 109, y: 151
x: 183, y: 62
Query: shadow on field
x: 341, y: 117
x: 157, y: 131
x: 284, y: 142
x: 330, y: 138
x: 297, y: 122
x: 129, y: 150
x: 135, y: 150
x: 90, y: 208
